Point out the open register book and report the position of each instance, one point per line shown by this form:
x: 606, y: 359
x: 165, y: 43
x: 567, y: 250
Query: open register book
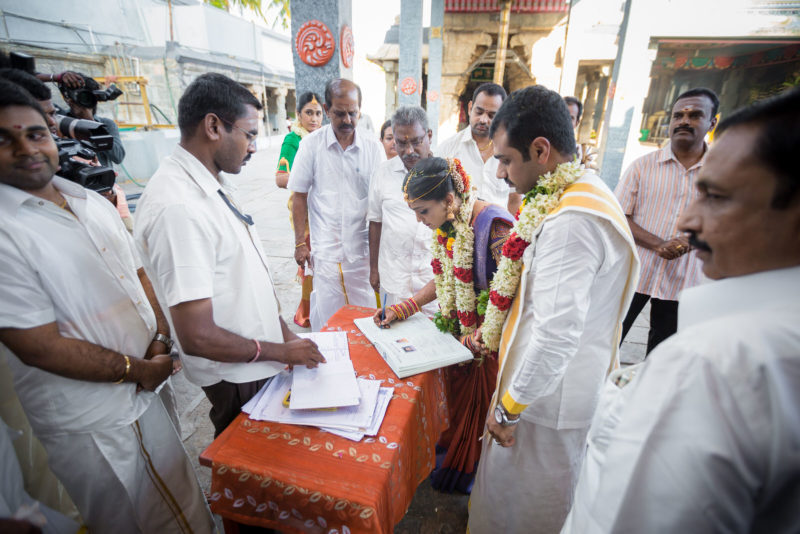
x: 414, y: 346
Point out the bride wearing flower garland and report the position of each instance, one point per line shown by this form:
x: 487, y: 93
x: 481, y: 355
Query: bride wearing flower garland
x: 468, y: 237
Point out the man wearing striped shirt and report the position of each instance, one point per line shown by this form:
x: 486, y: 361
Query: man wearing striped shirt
x: 654, y: 192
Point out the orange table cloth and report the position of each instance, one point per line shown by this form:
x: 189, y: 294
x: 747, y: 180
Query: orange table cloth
x: 302, y: 479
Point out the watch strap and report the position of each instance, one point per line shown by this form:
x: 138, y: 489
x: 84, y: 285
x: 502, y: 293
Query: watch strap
x: 504, y: 416
x: 161, y: 338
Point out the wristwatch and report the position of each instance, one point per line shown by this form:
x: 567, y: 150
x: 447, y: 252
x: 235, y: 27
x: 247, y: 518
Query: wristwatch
x: 165, y: 340
x: 501, y: 417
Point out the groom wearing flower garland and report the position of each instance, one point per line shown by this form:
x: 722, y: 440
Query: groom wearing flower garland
x: 565, y: 281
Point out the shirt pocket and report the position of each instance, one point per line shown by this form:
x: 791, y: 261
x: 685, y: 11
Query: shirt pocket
x: 359, y: 184
x: 331, y: 205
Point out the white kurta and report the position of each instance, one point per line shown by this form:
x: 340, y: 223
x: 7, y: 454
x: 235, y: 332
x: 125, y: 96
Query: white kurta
x: 337, y: 184
x: 195, y: 247
x: 577, y: 281
x: 81, y: 273
x: 404, y: 258
x: 705, y: 437
x: 483, y: 174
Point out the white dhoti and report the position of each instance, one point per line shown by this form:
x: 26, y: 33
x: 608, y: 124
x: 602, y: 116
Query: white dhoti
x: 133, y: 479
x: 338, y: 284
x: 15, y: 502
x: 526, y: 488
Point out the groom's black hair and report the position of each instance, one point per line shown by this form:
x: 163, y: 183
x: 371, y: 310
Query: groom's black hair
x: 533, y: 112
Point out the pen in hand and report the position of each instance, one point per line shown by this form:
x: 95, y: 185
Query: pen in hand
x: 383, y: 310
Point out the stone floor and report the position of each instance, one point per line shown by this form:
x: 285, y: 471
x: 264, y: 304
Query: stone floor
x: 430, y: 512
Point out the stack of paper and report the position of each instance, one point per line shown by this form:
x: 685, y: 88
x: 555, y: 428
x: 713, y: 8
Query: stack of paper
x: 352, y: 422
x: 329, y: 385
x: 414, y: 345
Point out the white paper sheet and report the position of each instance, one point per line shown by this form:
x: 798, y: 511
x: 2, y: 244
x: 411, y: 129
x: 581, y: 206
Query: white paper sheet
x: 331, y: 384
x: 384, y: 397
x: 269, y: 407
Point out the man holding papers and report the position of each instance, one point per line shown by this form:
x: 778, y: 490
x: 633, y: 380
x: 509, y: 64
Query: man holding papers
x: 204, y: 254
x: 566, y: 278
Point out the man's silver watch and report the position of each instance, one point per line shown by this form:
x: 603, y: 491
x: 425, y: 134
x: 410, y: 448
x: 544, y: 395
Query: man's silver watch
x: 165, y: 340
x: 501, y: 417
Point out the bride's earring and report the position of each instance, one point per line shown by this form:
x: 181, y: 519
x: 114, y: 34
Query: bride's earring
x: 450, y: 215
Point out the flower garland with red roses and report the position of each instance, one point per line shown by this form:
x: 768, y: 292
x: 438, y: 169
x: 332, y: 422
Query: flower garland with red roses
x: 536, y: 206
x: 452, y: 251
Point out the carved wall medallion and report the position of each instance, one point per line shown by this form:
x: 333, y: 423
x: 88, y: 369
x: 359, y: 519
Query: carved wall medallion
x: 408, y: 86
x: 314, y: 43
x: 347, y: 46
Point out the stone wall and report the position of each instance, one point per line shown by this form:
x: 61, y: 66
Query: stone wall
x: 468, y: 36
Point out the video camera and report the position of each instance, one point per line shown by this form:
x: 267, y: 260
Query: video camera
x: 89, y: 98
x: 83, y: 139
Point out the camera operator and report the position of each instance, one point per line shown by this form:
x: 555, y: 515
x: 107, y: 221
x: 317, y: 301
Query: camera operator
x: 82, y: 104
x: 70, y: 79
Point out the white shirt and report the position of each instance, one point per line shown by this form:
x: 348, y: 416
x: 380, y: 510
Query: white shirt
x: 80, y: 273
x: 195, y: 247
x: 705, y: 437
x: 337, y: 183
x: 483, y: 175
x: 575, y: 283
x: 404, y: 260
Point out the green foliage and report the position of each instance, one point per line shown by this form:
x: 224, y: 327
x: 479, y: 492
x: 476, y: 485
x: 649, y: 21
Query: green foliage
x: 258, y: 7
x: 446, y: 324
x: 448, y: 229
x: 483, y: 302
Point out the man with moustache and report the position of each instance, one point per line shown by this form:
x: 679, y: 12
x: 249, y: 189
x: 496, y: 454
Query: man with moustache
x: 704, y: 437
x: 654, y: 191
x: 204, y: 254
x: 473, y: 147
x: 399, y: 245
x: 559, y: 338
x: 330, y: 179
x: 84, y: 337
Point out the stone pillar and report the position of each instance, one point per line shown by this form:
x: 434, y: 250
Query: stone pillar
x: 322, y: 43
x: 434, y: 93
x: 409, y: 85
x: 589, y: 104
x: 291, y: 103
x: 630, y: 81
x: 280, y: 112
x: 502, y: 42
x: 390, y: 98
x: 271, y: 111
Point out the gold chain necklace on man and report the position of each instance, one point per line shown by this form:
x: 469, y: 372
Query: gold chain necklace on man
x: 484, y: 147
x: 64, y: 206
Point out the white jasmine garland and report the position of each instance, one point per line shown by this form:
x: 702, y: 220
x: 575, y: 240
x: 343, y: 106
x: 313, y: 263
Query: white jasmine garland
x: 452, y: 293
x: 536, y: 206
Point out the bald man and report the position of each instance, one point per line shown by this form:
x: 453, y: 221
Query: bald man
x: 330, y: 180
